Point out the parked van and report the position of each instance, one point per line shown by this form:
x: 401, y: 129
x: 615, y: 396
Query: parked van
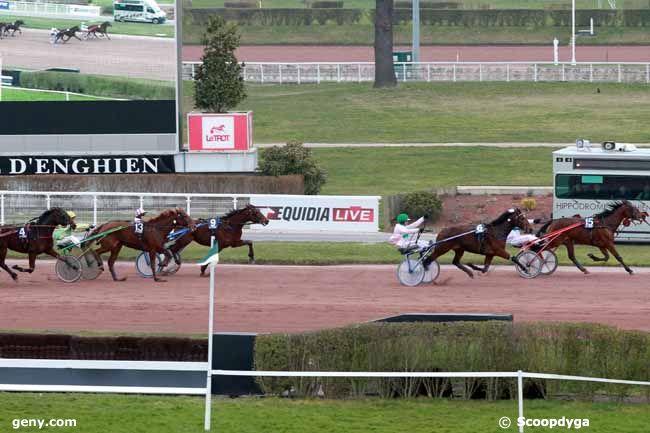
x: 139, y: 11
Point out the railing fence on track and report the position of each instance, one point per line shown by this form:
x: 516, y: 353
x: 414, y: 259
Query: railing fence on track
x: 357, y: 72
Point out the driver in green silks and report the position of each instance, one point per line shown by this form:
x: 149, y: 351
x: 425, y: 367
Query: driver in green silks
x: 64, y: 235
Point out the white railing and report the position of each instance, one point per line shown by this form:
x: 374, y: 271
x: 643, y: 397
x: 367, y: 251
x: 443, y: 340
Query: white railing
x: 51, y: 9
x: 16, y: 207
x: 357, y: 72
x: 203, y: 367
x: 61, y: 92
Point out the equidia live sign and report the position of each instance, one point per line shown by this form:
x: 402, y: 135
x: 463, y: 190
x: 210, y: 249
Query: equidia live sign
x: 124, y: 164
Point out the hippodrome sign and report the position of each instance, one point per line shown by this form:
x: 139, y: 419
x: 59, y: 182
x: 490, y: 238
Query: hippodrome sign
x: 220, y: 132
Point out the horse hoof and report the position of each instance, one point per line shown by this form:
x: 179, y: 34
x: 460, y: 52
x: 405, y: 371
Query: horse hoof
x: 16, y: 267
x: 251, y: 261
x: 470, y: 275
x: 14, y: 277
x: 203, y: 274
x: 120, y: 279
x: 586, y: 272
x: 160, y: 280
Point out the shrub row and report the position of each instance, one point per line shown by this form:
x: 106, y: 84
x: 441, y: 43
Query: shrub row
x: 427, y: 5
x: 97, y: 85
x: 327, y: 4
x: 240, y: 4
x: 434, y: 17
x: 572, y: 349
x: 49, y: 346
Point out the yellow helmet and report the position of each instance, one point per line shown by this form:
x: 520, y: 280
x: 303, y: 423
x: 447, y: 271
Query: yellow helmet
x: 72, y: 214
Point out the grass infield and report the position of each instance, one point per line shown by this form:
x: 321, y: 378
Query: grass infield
x: 447, y: 112
x: 9, y: 94
x: 146, y: 414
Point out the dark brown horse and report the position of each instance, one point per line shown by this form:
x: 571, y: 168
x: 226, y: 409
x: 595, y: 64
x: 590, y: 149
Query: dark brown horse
x: 98, y: 30
x: 14, y: 27
x: 65, y: 35
x: 605, y: 225
x: 151, y: 240
x: 33, y: 238
x: 227, y: 233
x: 491, y: 242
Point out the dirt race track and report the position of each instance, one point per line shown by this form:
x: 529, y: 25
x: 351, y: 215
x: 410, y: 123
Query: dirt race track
x: 291, y: 298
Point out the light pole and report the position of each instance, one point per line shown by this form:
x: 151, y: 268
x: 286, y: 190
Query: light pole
x: 573, y: 32
x: 416, y: 31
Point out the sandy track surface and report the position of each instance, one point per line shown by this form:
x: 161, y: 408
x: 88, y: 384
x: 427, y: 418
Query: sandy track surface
x: 299, y: 298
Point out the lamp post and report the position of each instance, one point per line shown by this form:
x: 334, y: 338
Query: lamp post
x: 573, y: 32
x: 416, y: 32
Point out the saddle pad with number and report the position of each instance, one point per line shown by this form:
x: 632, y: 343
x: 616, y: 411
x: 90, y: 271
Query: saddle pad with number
x: 589, y: 223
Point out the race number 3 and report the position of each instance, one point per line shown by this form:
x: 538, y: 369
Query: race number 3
x: 589, y: 223
x: 138, y: 228
x: 213, y: 224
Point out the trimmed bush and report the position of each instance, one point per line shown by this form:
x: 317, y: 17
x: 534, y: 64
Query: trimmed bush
x: 427, y: 5
x: 417, y: 204
x: 293, y: 158
x: 327, y: 5
x: 97, y: 85
x: 528, y: 203
x: 560, y: 348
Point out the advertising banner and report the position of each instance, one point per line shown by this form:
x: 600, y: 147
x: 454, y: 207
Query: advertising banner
x: 316, y: 213
x: 109, y: 164
x: 220, y: 132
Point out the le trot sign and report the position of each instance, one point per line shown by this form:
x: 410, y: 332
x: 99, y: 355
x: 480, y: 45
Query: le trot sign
x: 209, y: 132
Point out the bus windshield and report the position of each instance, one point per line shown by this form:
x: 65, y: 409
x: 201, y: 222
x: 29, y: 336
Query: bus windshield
x: 602, y: 187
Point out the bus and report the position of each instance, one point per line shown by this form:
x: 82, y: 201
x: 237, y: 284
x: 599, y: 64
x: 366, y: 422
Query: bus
x: 586, y: 179
x: 139, y: 11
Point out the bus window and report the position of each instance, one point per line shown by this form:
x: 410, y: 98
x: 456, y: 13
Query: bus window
x: 599, y: 187
x: 150, y: 10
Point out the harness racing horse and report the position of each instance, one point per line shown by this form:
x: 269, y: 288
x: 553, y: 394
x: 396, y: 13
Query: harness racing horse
x: 99, y: 30
x: 488, y: 240
x: 601, y: 235
x: 33, y: 239
x: 65, y: 35
x: 227, y: 233
x: 14, y: 27
x: 152, y: 239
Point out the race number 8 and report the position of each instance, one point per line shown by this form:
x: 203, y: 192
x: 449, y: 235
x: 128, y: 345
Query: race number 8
x: 213, y: 224
x: 589, y: 223
x: 139, y: 227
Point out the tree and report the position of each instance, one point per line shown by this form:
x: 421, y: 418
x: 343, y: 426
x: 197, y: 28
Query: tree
x: 218, y: 83
x: 384, y: 68
x: 294, y: 158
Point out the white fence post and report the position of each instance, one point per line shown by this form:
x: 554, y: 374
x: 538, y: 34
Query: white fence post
x: 535, y: 72
x: 94, y: 209
x: 262, y: 74
x: 338, y: 72
x: 520, y: 398
x: 318, y: 73
x: 47, y: 201
x: 142, y: 202
x: 619, y: 72
x: 188, y: 204
x: 298, y: 74
x: 280, y: 72
x: 359, y: 72
x: 454, y: 72
x: 591, y: 72
x: 428, y: 72
x: 563, y: 73
x: 507, y: 72
x: 2, y: 209
x: 480, y: 72
x: 404, y: 71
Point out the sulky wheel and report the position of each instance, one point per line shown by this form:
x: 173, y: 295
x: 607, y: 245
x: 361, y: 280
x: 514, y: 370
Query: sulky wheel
x: 531, y: 262
x: 68, y: 269
x: 432, y: 273
x: 90, y: 268
x: 410, y: 273
x: 549, y: 262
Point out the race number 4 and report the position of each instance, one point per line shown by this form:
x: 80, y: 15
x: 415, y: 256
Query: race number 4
x: 22, y: 233
x: 589, y: 223
x: 138, y: 228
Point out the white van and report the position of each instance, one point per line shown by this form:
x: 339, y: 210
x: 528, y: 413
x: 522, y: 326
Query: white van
x: 139, y: 11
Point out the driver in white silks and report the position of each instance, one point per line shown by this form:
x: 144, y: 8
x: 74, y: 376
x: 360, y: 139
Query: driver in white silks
x: 517, y: 239
x: 403, y: 233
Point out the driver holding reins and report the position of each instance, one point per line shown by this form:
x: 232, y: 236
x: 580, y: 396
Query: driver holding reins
x: 403, y: 233
x: 517, y: 239
x: 64, y: 235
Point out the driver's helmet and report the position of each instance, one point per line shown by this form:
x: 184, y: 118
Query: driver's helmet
x: 71, y: 214
x: 402, y: 218
x: 140, y: 212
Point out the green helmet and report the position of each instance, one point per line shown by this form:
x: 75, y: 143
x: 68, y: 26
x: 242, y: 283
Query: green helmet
x: 402, y: 218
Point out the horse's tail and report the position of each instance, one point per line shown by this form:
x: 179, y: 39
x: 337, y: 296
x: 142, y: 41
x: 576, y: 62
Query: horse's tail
x: 542, y: 229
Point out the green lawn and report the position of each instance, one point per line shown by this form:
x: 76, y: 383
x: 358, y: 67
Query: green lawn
x: 140, y: 29
x: 9, y: 94
x: 447, y: 112
x: 148, y: 414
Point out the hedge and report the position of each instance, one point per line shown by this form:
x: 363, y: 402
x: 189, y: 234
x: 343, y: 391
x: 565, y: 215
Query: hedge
x: 571, y: 349
x: 97, y: 85
x: 434, y: 17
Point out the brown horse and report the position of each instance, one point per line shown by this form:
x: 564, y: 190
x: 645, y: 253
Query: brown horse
x: 34, y: 238
x: 97, y: 30
x: 227, y: 233
x: 491, y: 242
x: 605, y: 224
x: 152, y: 238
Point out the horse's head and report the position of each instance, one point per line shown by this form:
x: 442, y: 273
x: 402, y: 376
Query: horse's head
x: 56, y: 216
x: 19, y: 23
x: 74, y: 29
x: 181, y: 218
x: 512, y: 218
x: 106, y: 24
x: 254, y: 215
x: 632, y: 212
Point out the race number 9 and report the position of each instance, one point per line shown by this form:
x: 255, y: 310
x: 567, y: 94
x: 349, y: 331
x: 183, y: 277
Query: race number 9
x: 213, y: 224
x: 589, y: 223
